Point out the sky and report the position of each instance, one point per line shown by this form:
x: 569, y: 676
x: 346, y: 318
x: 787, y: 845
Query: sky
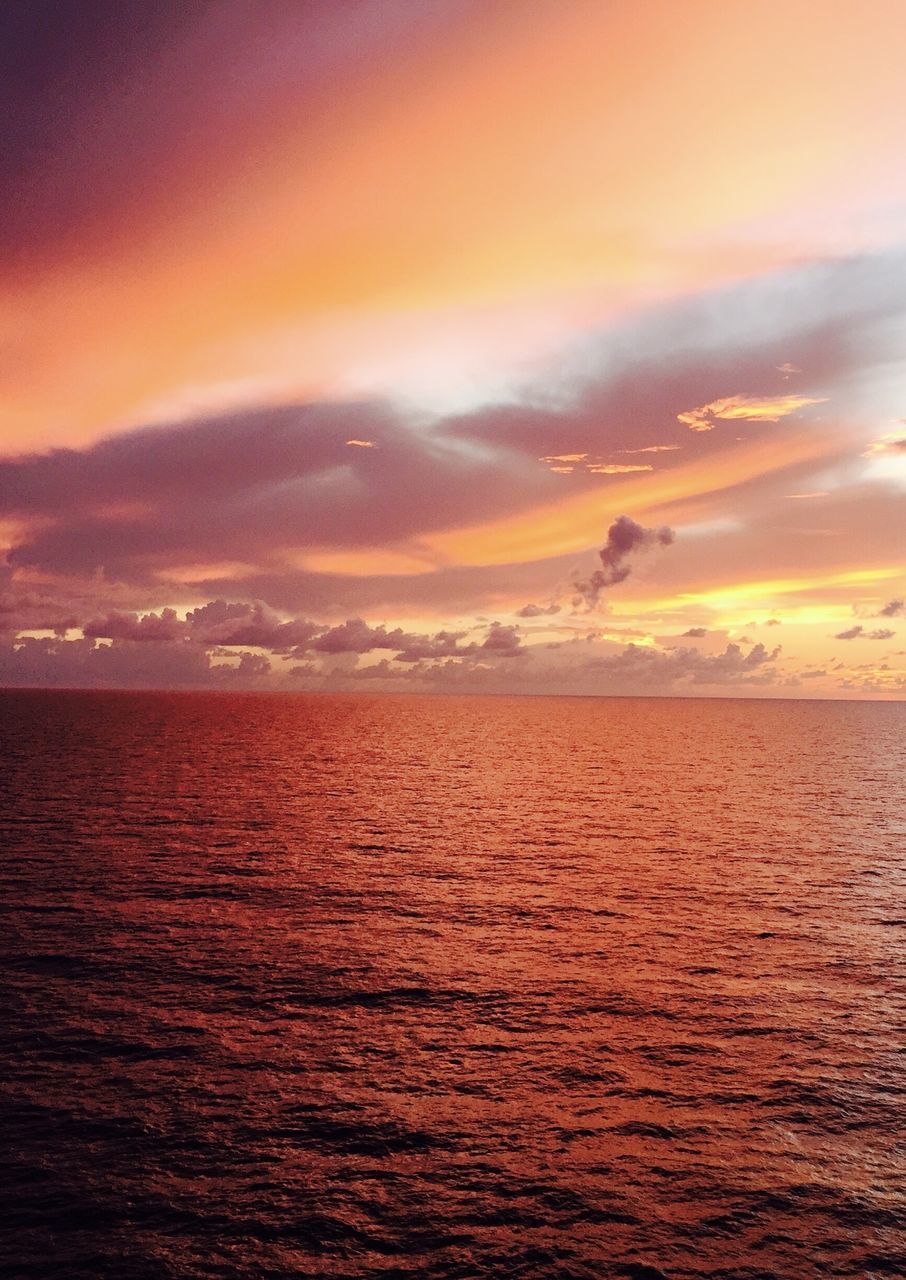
x: 504, y: 346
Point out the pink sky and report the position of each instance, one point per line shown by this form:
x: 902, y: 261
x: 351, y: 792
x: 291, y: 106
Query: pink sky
x: 338, y: 339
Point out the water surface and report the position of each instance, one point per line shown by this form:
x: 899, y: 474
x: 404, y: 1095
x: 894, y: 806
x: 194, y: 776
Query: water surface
x: 457, y: 987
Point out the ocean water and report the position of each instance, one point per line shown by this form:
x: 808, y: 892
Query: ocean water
x: 456, y: 987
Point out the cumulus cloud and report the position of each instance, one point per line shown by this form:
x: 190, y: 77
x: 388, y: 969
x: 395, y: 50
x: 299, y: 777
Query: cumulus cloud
x: 224, y: 623
x: 356, y: 636
x: 443, y: 644
x: 209, y: 649
x: 892, y: 609
x: 537, y: 611
x: 217, y: 623
x: 696, y: 633
x: 117, y: 625
x: 859, y: 632
x: 502, y: 641
x: 625, y: 538
x: 639, y: 665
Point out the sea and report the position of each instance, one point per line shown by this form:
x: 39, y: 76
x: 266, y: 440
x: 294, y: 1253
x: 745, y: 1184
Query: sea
x: 408, y: 987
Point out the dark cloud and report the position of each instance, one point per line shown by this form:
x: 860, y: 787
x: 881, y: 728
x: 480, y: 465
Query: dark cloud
x: 637, y: 375
x: 892, y: 609
x: 248, y: 486
x: 255, y: 488
x: 859, y: 632
x: 83, y: 664
x: 33, y: 611
x: 537, y: 611
x: 223, y: 623
x: 131, y: 626
x: 152, y: 650
x: 502, y: 642
x: 696, y: 633
x: 638, y: 665
x: 624, y: 539
x: 217, y: 623
x: 356, y: 636
x: 444, y: 644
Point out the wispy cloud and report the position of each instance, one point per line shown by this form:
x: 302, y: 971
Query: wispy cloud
x: 617, y: 468
x: 653, y: 448
x: 890, y: 444
x: 740, y: 408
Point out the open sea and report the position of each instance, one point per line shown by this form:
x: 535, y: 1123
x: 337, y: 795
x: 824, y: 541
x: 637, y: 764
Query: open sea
x: 403, y: 987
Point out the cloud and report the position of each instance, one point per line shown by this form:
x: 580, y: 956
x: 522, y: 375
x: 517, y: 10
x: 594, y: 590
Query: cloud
x: 653, y: 448
x: 254, y: 497
x: 859, y: 632
x: 362, y: 444
x: 152, y: 627
x: 223, y: 623
x: 569, y: 463
x: 443, y: 644
x: 253, y: 488
x: 696, y: 633
x: 638, y: 665
x: 745, y: 409
x: 617, y: 468
x: 895, y: 445
x: 537, y: 611
x: 624, y: 539
x: 502, y: 641
x: 892, y: 609
x: 356, y: 636
x: 84, y: 664
x: 209, y: 648
x: 217, y: 623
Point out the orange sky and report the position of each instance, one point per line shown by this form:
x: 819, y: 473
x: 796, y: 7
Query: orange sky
x: 504, y: 202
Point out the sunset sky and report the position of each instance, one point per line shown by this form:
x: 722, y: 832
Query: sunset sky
x: 482, y: 345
